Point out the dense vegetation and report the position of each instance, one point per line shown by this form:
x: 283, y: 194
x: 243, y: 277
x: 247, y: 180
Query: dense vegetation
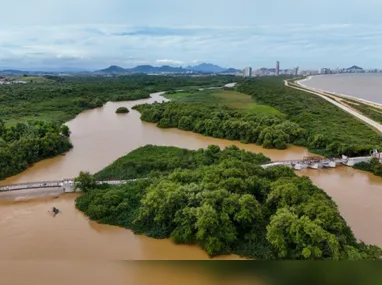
x: 369, y: 111
x: 373, y: 166
x: 163, y: 160
x: 269, y: 130
x: 122, y: 110
x: 224, y: 202
x: 330, y: 130
x: 24, y: 144
x: 61, y: 98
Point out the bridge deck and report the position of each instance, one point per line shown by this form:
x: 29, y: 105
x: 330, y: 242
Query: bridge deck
x: 67, y: 183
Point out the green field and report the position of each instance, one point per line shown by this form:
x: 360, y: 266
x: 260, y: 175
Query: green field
x: 232, y: 99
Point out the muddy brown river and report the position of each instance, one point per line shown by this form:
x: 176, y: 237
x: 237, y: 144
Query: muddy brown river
x: 99, y: 136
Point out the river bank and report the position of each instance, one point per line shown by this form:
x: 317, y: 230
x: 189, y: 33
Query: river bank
x: 99, y: 137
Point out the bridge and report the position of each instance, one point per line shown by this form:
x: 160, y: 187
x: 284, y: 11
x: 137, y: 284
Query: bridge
x: 307, y: 162
x: 317, y: 162
x: 67, y: 185
x: 314, y: 162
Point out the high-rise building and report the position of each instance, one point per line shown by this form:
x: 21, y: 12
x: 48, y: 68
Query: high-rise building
x: 296, y: 71
x: 247, y: 72
x: 277, y: 68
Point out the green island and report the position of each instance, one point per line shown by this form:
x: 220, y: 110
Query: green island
x: 122, y: 110
x: 223, y: 201
x: 32, y: 114
x: 301, y: 118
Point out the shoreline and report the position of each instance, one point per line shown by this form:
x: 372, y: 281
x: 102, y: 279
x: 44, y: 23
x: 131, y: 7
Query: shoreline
x: 333, y: 93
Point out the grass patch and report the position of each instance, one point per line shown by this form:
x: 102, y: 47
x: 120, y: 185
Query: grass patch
x: 371, y: 112
x: 232, y: 99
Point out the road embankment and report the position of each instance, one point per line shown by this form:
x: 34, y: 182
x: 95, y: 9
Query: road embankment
x: 329, y: 97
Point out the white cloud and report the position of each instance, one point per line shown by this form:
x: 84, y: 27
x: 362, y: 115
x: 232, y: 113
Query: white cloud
x: 97, y: 46
x: 169, y: 62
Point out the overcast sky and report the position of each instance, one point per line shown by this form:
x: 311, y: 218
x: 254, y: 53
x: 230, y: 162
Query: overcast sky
x: 92, y: 34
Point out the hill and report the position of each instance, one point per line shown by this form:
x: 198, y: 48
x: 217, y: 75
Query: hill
x: 230, y: 70
x: 153, y: 69
x: 113, y: 69
x: 207, y: 68
x: 354, y: 67
x: 201, y: 68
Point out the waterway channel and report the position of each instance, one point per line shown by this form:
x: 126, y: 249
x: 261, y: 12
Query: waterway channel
x: 99, y: 137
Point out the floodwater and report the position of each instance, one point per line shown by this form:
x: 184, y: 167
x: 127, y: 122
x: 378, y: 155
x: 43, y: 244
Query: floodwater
x: 99, y: 136
x: 366, y: 86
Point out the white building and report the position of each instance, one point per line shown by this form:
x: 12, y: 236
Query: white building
x: 247, y: 72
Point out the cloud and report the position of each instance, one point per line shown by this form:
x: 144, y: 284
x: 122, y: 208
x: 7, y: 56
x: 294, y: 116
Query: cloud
x: 97, y: 46
x: 168, y: 62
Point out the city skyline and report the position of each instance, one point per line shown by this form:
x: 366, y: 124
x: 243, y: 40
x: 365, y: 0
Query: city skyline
x: 129, y: 33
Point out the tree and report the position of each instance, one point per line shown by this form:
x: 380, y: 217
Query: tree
x: 85, y: 181
x: 378, y: 169
x: 2, y: 128
x: 65, y: 131
x: 122, y: 110
x: 300, y: 238
x: 214, y: 230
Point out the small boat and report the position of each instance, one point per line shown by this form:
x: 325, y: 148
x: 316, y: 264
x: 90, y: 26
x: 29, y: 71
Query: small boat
x: 315, y: 166
x: 300, y: 166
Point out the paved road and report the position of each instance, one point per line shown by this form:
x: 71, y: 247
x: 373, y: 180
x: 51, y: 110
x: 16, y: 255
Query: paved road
x: 361, y: 117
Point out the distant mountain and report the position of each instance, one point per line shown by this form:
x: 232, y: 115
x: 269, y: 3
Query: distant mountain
x: 354, y: 67
x: 201, y: 68
x: 207, y: 68
x: 153, y: 69
x: 12, y: 71
x: 167, y: 68
x: 112, y: 69
x: 143, y: 69
x: 230, y: 70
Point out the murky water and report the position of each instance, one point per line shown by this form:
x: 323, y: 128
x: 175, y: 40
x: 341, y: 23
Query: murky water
x: 367, y: 86
x: 28, y: 232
